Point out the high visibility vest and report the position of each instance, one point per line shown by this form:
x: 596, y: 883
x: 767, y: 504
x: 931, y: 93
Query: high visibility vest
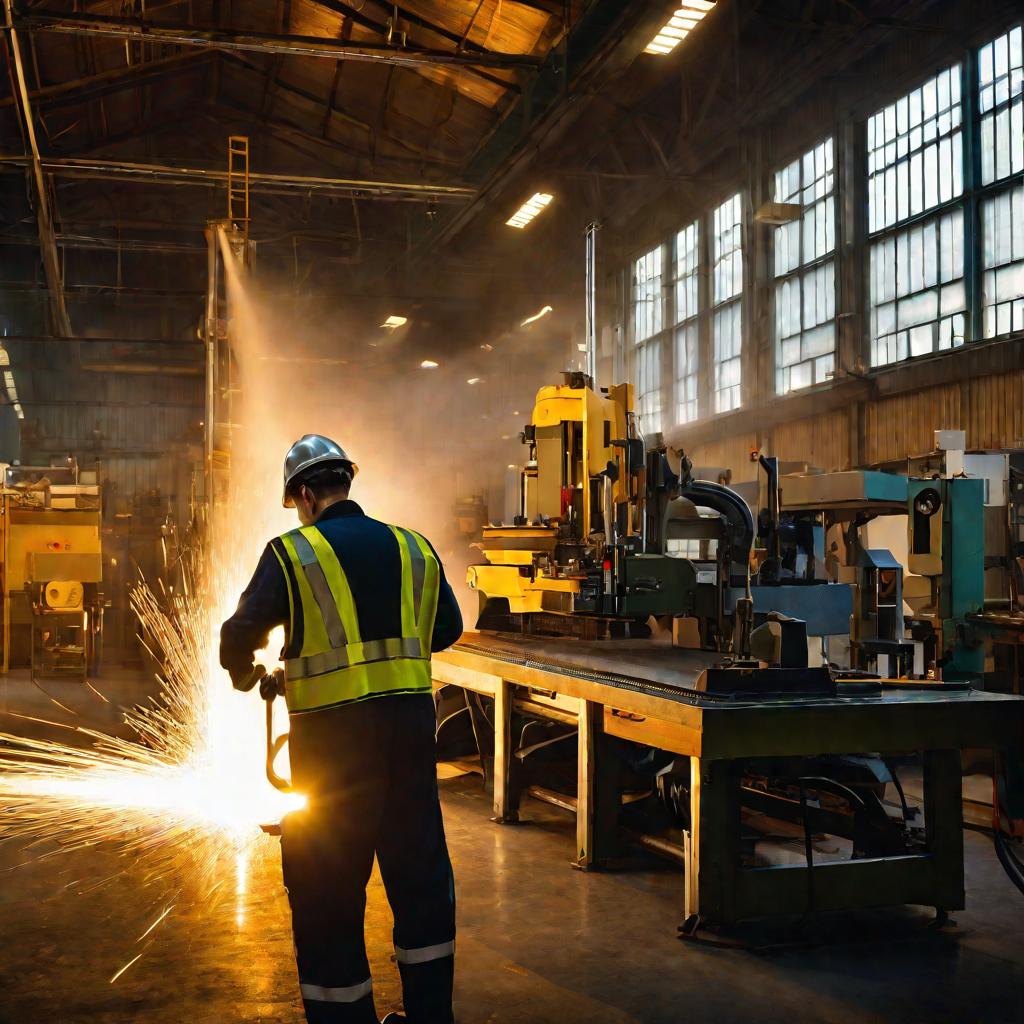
x: 335, y: 665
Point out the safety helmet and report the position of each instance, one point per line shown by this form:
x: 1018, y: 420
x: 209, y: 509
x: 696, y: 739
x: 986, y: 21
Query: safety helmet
x: 312, y: 450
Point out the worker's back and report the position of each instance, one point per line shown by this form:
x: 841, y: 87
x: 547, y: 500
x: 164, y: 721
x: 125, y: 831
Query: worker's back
x: 363, y: 604
x: 372, y: 561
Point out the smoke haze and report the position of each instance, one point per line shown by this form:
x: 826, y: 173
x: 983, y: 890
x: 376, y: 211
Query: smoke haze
x: 422, y: 438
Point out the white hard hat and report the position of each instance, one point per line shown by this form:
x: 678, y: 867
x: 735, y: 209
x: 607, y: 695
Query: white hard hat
x: 313, y: 450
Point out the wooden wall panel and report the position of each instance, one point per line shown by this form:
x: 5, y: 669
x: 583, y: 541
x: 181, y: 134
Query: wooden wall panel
x: 995, y: 411
x: 904, y: 425
x: 729, y: 453
x: 821, y: 441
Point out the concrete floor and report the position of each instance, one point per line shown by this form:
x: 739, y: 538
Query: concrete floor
x: 538, y: 942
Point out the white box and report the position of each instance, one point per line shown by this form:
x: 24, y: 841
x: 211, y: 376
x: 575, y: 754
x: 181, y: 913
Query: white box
x: 950, y: 440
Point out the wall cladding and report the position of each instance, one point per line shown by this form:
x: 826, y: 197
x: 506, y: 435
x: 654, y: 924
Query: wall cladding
x: 820, y: 441
x: 990, y: 409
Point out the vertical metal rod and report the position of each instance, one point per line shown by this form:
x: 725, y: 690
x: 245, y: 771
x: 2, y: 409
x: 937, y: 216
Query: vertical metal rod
x: 212, y: 285
x: 591, y: 302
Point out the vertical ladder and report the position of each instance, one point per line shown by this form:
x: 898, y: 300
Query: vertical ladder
x: 238, y: 182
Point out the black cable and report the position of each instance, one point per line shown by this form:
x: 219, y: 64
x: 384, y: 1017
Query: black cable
x: 1012, y: 864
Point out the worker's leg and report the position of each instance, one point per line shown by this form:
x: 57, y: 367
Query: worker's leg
x: 327, y: 855
x: 415, y: 866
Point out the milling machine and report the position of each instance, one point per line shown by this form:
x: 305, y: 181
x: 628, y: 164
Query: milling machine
x: 589, y: 554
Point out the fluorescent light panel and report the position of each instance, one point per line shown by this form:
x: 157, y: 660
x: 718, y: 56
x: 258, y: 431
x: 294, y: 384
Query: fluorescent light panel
x: 529, y: 210
x: 428, y: 364
x: 393, y: 322
x: 686, y: 18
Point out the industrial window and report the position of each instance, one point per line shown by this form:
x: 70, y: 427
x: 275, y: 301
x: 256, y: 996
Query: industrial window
x: 1002, y: 219
x: 648, y: 319
x: 1001, y: 106
x: 727, y: 324
x: 915, y: 152
x: 917, y: 289
x: 915, y: 166
x: 1001, y: 112
x: 687, y: 330
x: 805, y: 274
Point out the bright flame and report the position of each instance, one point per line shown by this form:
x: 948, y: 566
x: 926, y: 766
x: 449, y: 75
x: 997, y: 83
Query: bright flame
x: 196, y: 763
x: 189, y: 788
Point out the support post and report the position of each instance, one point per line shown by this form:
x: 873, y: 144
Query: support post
x: 712, y: 843
x: 943, y: 825
x: 504, y: 813
x: 597, y: 792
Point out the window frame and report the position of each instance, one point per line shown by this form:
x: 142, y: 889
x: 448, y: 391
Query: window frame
x: 803, y: 269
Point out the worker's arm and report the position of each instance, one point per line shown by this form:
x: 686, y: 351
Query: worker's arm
x: 448, y: 621
x: 262, y: 606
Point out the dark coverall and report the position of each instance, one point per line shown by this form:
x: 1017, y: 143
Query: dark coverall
x: 368, y: 770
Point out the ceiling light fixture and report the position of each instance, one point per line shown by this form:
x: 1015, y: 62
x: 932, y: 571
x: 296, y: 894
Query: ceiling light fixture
x: 534, y: 205
x: 536, y: 316
x: 393, y: 322
x: 428, y: 364
x: 686, y: 18
x: 474, y: 380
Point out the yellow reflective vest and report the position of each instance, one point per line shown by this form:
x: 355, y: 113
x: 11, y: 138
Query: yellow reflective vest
x: 335, y: 665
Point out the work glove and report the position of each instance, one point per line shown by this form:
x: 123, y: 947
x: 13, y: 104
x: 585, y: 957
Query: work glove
x: 272, y: 684
x: 249, y: 680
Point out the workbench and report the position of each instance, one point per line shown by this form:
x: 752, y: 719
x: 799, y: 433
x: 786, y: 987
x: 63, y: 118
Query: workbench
x: 645, y: 692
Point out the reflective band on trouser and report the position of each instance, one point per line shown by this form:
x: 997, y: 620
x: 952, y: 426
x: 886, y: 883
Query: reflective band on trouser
x: 321, y: 589
x: 349, y: 994
x: 424, y: 954
x: 355, y: 654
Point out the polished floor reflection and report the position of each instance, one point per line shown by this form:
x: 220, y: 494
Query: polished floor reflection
x: 538, y: 942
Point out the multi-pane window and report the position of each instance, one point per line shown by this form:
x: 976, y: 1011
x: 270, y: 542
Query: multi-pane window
x: 648, y: 319
x: 1002, y: 219
x: 805, y: 273
x: 727, y: 291
x: 1001, y: 211
x: 1001, y: 106
x: 687, y: 330
x: 915, y: 165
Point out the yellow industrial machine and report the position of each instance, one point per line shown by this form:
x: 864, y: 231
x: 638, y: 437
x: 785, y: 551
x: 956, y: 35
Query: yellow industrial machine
x: 582, y: 511
x: 52, y: 570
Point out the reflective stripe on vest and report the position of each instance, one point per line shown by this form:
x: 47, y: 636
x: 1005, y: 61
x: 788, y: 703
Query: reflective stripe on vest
x: 335, y: 666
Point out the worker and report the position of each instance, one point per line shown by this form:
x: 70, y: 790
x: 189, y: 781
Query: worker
x: 363, y: 605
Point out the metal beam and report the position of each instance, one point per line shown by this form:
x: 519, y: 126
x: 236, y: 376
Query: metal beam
x: 47, y: 239
x: 262, y: 42
x: 78, y: 90
x: 356, y: 15
x: 271, y: 184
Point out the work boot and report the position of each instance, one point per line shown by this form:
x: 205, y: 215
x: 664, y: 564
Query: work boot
x: 393, y: 1018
